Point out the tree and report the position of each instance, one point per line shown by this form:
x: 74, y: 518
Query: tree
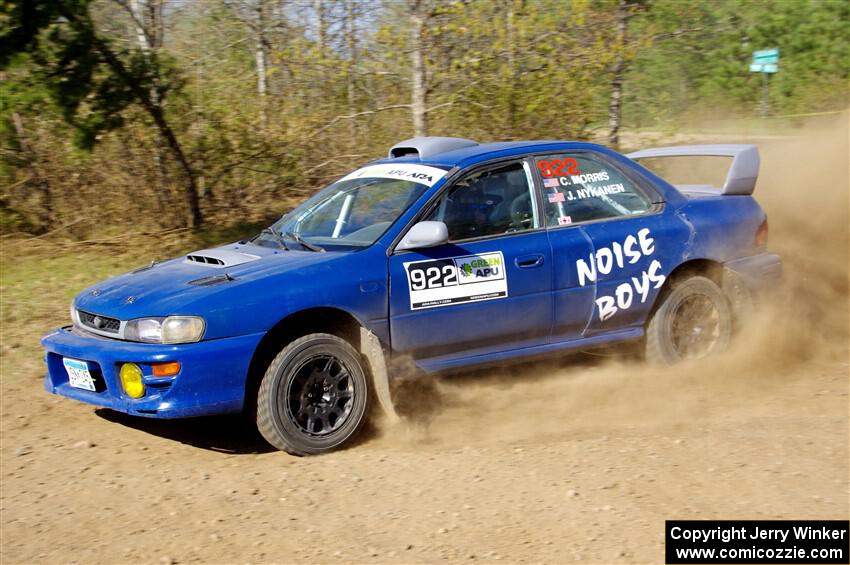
x: 351, y: 44
x: 92, y: 81
x: 260, y: 102
x: 255, y: 14
x: 419, y: 12
x: 614, y: 107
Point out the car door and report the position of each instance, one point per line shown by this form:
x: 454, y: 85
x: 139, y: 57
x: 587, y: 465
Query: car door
x: 627, y: 229
x: 489, y: 288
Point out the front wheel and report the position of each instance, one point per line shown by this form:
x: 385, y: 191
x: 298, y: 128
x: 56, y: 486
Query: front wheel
x: 313, y: 397
x: 693, y: 321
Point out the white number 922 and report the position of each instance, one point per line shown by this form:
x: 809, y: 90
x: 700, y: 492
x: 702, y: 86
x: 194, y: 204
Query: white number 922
x: 433, y: 277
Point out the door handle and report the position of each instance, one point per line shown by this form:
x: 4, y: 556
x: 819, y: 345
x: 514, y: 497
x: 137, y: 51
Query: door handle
x: 529, y: 261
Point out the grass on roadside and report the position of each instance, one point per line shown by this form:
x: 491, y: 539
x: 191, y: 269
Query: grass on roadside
x: 39, y: 278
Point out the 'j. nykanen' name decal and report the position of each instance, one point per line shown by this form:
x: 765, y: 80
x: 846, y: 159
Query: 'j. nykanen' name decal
x: 605, y: 259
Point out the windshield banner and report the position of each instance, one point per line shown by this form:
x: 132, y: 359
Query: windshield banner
x: 402, y: 171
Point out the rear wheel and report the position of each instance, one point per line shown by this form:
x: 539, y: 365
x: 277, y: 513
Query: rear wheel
x: 693, y: 321
x: 313, y: 397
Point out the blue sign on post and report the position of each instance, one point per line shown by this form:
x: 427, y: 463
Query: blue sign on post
x: 765, y: 61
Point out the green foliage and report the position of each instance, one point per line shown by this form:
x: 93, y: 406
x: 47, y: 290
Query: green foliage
x: 495, y: 69
x: 700, y: 55
x: 60, y: 38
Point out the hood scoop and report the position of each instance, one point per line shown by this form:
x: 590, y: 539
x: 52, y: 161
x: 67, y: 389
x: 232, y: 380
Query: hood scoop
x: 219, y: 258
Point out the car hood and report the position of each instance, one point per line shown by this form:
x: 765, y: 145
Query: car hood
x: 184, y: 284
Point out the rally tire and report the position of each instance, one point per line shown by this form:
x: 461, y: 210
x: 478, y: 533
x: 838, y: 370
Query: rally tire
x: 314, y: 396
x: 693, y: 320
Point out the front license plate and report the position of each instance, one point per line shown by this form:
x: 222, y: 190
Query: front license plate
x: 78, y: 374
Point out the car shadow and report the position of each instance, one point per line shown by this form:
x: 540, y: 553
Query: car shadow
x: 230, y: 434
x: 417, y: 398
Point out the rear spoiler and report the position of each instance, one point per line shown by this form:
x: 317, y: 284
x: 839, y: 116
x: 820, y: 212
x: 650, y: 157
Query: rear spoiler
x: 742, y: 175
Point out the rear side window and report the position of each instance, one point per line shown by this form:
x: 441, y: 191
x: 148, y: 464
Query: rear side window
x: 579, y: 187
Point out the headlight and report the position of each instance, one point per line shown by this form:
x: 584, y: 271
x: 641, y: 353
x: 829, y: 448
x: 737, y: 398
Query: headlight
x: 173, y: 329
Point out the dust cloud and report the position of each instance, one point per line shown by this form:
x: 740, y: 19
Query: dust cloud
x: 797, y: 329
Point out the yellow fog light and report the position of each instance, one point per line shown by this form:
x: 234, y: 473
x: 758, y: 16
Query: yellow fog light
x: 131, y: 380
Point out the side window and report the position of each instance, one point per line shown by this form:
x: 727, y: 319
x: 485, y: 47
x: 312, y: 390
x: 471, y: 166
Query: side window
x: 491, y: 202
x: 579, y: 188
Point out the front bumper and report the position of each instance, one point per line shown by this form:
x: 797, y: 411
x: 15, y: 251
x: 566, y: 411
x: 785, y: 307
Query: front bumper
x: 211, y: 379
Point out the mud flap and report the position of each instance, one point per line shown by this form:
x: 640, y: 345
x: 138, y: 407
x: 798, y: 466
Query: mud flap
x: 370, y: 347
x: 740, y: 297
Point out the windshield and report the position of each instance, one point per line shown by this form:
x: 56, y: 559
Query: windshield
x: 351, y: 213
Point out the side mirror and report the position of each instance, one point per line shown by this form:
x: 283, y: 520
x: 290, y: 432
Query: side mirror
x: 424, y: 234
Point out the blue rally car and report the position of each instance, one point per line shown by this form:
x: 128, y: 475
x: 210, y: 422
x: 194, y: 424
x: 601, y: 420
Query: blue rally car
x: 449, y: 252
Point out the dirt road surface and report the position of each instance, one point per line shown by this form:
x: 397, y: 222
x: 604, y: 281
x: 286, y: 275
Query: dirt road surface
x: 575, y: 460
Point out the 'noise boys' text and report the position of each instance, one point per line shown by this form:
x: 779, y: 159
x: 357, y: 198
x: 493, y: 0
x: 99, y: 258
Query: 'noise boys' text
x: 605, y: 259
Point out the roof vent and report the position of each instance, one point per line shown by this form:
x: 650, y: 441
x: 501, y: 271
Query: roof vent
x: 424, y: 147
